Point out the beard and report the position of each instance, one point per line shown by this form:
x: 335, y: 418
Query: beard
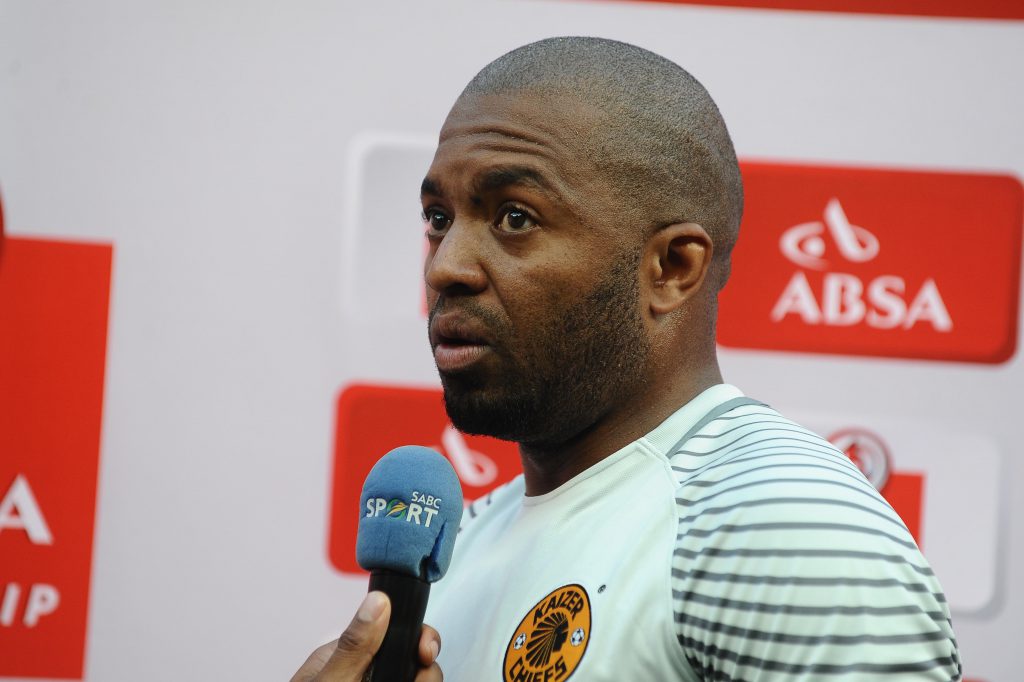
x: 558, y: 377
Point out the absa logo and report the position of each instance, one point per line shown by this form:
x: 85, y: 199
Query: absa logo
x: 845, y: 299
x: 804, y: 244
x: 878, y: 262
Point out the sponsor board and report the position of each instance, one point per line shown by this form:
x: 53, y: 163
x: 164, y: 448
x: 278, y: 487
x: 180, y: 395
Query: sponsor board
x: 876, y: 262
x: 373, y: 420
x: 53, y: 329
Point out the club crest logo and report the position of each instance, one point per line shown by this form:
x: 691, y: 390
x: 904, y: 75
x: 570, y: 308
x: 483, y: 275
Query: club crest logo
x: 549, y: 643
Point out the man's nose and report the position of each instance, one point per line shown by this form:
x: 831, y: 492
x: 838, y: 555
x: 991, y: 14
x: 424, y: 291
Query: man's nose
x: 455, y: 266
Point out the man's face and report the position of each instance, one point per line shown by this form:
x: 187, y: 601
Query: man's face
x: 532, y: 282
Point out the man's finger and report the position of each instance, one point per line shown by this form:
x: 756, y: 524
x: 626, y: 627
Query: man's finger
x: 315, y: 663
x: 356, y: 647
x: 430, y: 646
x: 431, y: 674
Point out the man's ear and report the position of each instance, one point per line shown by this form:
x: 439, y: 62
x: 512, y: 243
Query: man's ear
x: 676, y: 263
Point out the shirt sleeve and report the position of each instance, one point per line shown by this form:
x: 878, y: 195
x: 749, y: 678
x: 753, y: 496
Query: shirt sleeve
x: 790, y: 566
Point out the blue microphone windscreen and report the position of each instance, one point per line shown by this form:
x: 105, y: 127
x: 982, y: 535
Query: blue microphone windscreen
x: 410, y: 510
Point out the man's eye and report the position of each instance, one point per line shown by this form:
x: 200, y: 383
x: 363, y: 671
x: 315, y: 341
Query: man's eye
x: 515, y: 220
x: 436, y: 220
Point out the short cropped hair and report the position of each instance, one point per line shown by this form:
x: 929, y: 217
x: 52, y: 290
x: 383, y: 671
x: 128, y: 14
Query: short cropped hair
x: 663, y: 142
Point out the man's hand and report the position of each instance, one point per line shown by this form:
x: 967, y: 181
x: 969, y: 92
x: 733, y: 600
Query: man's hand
x: 347, y: 658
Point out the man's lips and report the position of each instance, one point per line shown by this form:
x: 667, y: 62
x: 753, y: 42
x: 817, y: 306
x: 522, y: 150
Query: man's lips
x: 450, y: 358
x: 457, y: 341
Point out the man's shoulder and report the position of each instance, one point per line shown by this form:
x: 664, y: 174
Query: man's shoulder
x: 786, y: 554
x: 745, y: 437
x: 753, y: 465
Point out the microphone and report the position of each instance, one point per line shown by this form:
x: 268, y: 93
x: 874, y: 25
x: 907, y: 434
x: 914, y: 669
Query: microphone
x: 411, y: 507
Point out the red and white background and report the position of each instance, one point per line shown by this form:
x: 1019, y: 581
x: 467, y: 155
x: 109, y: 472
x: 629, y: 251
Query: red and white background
x: 211, y: 316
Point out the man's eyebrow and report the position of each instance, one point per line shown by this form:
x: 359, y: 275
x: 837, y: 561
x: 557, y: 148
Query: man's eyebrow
x: 496, y: 178
x: 429, y: 186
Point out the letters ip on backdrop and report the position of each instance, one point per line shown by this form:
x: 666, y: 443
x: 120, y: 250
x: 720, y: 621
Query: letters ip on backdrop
x: 53, y: 333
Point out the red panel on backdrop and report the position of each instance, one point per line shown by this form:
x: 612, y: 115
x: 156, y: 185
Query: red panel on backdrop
x: 968, y: 9
x: 876, y: 262
x: 905, y: 492
x: 371, y: 421
x: 53, y: 333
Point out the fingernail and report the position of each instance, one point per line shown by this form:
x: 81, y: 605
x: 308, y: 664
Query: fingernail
x: 435, y: 649
x: 372, y: 607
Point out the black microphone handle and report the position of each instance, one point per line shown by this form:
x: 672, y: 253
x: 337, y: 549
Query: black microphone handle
x: 398, y: 659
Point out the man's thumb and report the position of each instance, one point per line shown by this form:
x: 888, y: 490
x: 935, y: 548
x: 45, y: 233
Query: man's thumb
x: 360, y: 641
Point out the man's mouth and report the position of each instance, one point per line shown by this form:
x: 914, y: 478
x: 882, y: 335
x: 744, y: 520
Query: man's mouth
x: 457, y: 342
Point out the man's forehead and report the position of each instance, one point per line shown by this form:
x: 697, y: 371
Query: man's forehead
x: 532, y: 115
x: 517, y: 138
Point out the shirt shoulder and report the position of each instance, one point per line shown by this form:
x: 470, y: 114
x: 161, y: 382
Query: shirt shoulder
x: 789, y: 565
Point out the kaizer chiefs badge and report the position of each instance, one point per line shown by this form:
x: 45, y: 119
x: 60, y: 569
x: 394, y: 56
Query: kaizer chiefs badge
x: 550, y: 641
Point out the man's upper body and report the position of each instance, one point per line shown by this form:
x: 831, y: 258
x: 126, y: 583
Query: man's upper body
x: 726, y: 544
x: 581, y: 209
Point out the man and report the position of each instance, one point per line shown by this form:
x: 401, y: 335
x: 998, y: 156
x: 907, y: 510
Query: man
x: 581, y: 209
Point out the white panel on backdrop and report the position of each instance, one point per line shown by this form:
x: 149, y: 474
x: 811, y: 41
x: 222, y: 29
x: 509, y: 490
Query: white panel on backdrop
x: 383, y: 246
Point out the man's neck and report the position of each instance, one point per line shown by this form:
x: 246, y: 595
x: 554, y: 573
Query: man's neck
x: 547, y: 467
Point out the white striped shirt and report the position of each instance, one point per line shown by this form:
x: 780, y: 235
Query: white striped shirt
x: 727, y: 544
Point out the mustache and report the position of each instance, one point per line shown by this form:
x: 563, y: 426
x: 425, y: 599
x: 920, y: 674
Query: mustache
x: 496, y: 325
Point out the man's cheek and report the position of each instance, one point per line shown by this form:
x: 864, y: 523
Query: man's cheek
x: 428, y: 301
x: 429, y: 297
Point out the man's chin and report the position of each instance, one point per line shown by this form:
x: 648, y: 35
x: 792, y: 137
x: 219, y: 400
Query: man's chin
x: 479, y: 411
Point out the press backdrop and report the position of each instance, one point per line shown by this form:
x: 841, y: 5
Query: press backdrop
x: 211, y: 316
